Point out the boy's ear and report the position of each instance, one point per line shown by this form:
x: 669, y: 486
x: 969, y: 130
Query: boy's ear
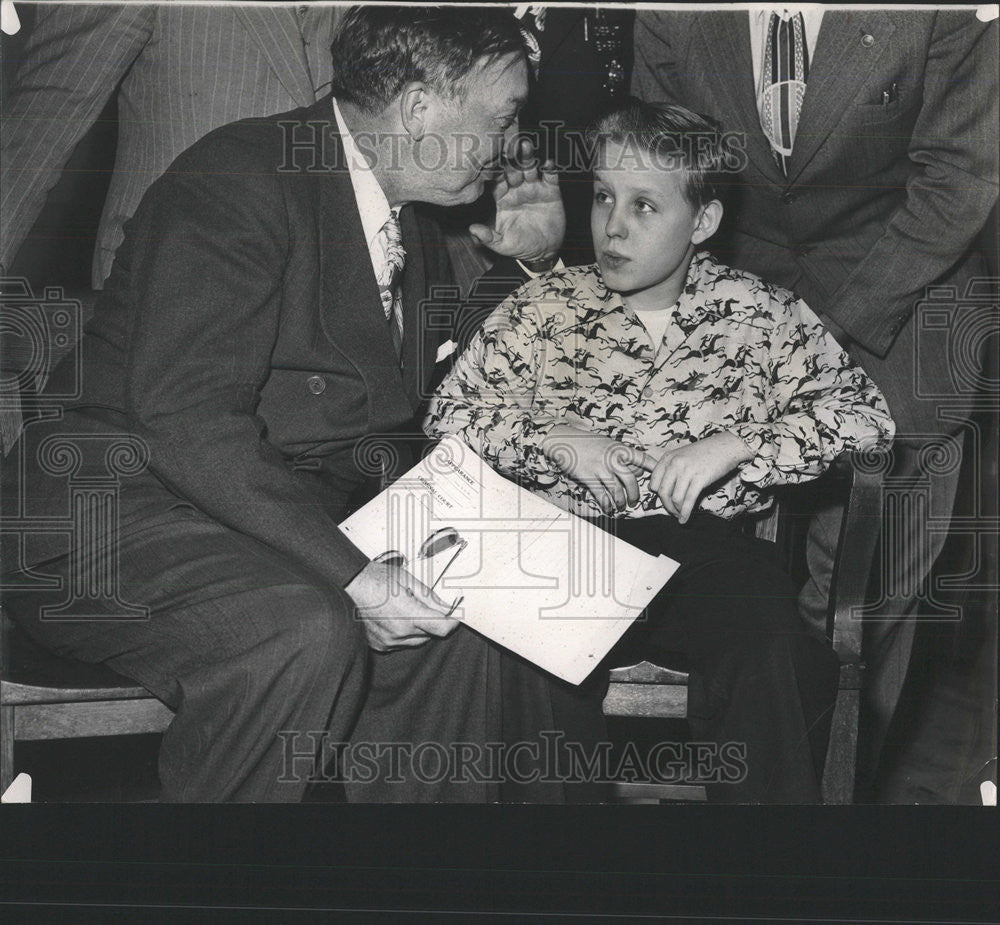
x: 413, y: 109
x: 709, y: 218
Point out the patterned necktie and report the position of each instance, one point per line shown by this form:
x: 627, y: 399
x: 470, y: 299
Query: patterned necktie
x: 391, y: 238
x: 783, y: 83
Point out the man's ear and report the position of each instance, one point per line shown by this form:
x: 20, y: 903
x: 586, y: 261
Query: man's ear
x: 413, y: 109
x: 709, y: 218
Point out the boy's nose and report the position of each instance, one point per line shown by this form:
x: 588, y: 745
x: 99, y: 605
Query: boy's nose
x: 615, y: 228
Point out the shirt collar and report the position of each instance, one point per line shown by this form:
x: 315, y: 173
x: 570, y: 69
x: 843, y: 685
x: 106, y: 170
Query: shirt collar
x: 372, y: 203
x: 812, y: 14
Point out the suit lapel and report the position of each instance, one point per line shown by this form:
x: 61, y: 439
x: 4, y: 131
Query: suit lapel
x: 276, y: 32
x: 842, y: 62
x: 351, y: 312
x: 731, y: 80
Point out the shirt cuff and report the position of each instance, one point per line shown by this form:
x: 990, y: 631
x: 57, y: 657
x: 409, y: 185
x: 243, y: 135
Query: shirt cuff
x: 558, y: 265
x: 759, y: 439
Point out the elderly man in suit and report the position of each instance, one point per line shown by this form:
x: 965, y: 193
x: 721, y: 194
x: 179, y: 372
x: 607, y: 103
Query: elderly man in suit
x: 869, y: 167
x: 263, y: 316
x: 180, y: 71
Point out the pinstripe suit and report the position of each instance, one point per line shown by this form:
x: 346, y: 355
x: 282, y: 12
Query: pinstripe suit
x: 893, y: 173
x: 186, y: 71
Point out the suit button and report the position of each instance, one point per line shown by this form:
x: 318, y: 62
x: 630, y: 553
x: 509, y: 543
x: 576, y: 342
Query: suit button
x: 788, y: 197
x: 867, y: 40
x: 317, y: 384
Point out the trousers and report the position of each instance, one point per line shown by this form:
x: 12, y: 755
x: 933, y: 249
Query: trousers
x: 759, y: 681
x: 269, y: 674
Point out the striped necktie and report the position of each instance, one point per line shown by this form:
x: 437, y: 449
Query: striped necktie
x: 391, y: 238
x: 783, y: 83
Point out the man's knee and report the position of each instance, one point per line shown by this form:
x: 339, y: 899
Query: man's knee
x: 320, y: 628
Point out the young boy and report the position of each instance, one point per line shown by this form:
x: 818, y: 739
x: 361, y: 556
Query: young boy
x: 667, y: 394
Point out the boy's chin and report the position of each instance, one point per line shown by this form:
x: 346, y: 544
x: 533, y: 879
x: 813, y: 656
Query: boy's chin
x: 615, y: 280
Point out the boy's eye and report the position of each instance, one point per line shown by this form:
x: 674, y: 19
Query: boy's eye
x: 601, y: 196
x: 645, y: 207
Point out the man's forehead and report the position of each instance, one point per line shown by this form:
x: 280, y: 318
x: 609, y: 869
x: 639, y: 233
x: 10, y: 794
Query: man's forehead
x: 505, y: 78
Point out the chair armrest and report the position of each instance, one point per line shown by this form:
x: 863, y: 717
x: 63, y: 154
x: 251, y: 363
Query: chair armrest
x: 859, y: 534
x: 647, y: 673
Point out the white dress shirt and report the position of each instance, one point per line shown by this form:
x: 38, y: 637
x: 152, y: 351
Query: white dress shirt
x: 372, y: 203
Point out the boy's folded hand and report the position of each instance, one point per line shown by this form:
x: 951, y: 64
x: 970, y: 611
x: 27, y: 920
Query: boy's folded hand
x: 681, y: 475
x: 605, y: 467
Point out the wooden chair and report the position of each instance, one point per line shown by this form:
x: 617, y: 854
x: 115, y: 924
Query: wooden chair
x: 43, y: 697
x: 652, y: 691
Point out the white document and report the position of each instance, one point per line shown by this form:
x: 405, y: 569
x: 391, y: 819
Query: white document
x: 546, y: 584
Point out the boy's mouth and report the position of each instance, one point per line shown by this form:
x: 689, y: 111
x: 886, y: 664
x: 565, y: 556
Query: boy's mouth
x: 613, y: 259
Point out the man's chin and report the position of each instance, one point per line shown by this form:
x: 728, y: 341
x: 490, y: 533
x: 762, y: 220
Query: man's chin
x: 471, y: 192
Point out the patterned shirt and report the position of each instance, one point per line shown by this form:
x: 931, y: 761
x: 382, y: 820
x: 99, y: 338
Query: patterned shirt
x: 738, y: 355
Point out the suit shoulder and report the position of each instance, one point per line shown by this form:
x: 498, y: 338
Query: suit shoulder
x: 259, y: 142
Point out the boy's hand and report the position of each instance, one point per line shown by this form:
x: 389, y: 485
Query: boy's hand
x: 681, y: 475
x: 605, y: 467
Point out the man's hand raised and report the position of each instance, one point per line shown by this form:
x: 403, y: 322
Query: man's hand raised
x: 398, y: 611
x: 530, y: 223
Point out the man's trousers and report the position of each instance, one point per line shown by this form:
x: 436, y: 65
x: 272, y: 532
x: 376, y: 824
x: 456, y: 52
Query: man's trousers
x: 270, y: 674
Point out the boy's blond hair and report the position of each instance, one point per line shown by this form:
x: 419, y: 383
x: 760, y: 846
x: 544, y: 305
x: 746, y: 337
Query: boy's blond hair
x: 673, y: 136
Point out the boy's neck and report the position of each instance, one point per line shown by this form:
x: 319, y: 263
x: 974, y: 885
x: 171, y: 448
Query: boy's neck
x: 663, y: 295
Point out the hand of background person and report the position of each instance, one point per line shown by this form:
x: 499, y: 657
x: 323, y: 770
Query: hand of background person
x: 530, y: 221
x: 605, y: 467
x: 398, y: 611
x: 681, y: 475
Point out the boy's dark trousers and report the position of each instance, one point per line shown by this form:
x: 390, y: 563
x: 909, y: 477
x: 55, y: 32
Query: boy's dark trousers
x: 757, y: 677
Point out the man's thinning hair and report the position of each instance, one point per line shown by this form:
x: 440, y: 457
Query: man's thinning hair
x: 674, y: 136
x: 379, y: 49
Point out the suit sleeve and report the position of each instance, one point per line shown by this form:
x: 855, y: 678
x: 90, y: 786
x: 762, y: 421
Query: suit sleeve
x: 950, y: 193
x: 205, y: 255
x: 74, y: 58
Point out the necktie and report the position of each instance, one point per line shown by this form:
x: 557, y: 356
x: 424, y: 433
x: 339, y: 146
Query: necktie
x: 391, y: 238
x: 783, y: 83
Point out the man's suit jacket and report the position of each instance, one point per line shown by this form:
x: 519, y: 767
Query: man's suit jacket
x: 881, y: 200
x: 242, y: 339
x: 182, y: 71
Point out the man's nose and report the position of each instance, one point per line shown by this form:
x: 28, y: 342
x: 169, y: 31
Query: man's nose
x: 510, y: 145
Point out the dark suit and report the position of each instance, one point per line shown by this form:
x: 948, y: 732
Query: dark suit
x: 242, y: 340
x: 892, y: 175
